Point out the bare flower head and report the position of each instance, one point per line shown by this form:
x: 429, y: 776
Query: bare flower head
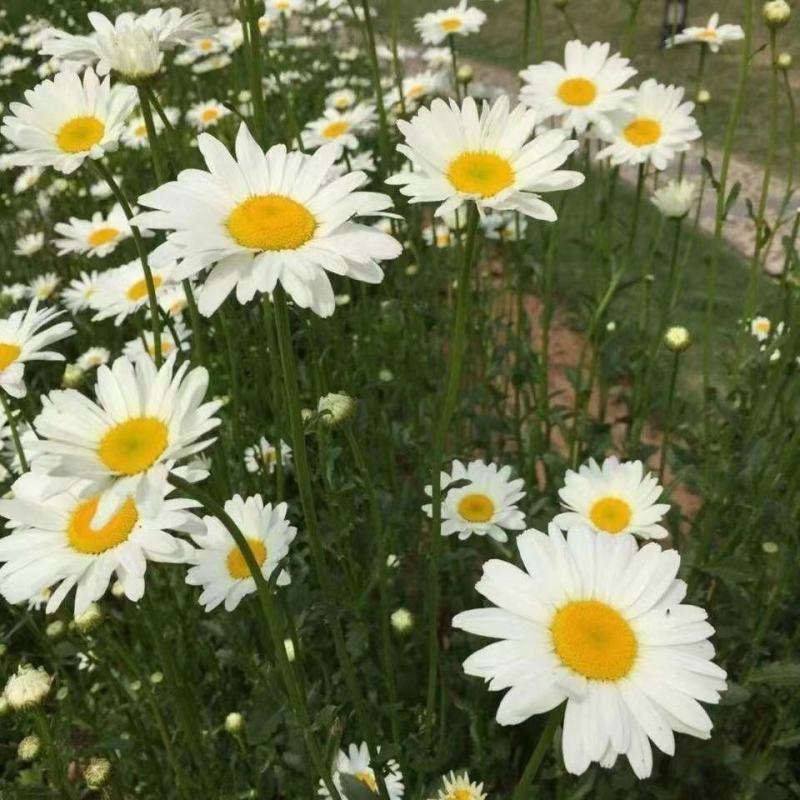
x: 28, y: 748
x: 784, y: 61
x: 28, y: 687
x: 402, y: 620
x: 703, y: 97
x: 234, y: 723
x: 89, y: 619
x: 677, y: 339
x: 97, y: 773
x: 675, y: 199
x: 776, y: 13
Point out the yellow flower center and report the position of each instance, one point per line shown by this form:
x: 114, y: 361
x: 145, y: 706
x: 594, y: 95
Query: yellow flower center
x: 237, y: 566
x: 341, y: 103
x: 80, y: 134
x: 594, y: 640
x: 480, y: 173
x: 205, y: 44
x: 137, y: 291
x: 415, y: 91
x: 642, y: 131
x: 610, y: 514
x: 577, y: 91
x: 133, y: 446
x: 86, y: 539
x: 763, y: 326
x: 8, y: 354
x: 101, y: 236
x: 368, y: 779
x: 707, y: 34
x: 462, y: 794
x: 140, y: 130
x: 451, y: 24
x: 336, y: 129
x: 476, y: 508
x: 209, y: 115
x: 271, y: 222
x: 166, y: 348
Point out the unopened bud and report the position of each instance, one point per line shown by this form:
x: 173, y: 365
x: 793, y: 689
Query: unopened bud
x: 97, y: 773
x: 28, y: 748
x: 402, y: 620
x: 677, y: 339
x: 776, y: 13
x: 234, y: 723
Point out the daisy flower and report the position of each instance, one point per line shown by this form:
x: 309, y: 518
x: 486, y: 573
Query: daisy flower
x: 460, y: 154
x: 78, y: 295
x: 98, y: 236
x: 43, y: 286
x: 484, y: 502
x: 205, y: 45
x: 356, y: 762
x: 66, y: 120
x: 135, y: 133
x: 760, y: 328
x: 613, y: 498
x: 263, y: 218
x: 435, y: 26
x: 656, y: 127
x: 135, y: 347
x: 143, y: 421
x: 172, y: 298
x: 583, y: 91
x: 459, y: 787
x: 339, y: 127
x: 122, y: 291
x: 341, y: 99
x: 417, y: 87
x: 264, y: 455
x: 285, y: 8
x: 24, y: 335
x: 438, y: 58
x: 596, y: 622
x: 206, y: 114
x: 29, y: 245
x: 713, y: 34
x: 219, y: 565
x: 58, y: 545
x: 93, y: 358
x: 675, y: 198
x: 28, y: 178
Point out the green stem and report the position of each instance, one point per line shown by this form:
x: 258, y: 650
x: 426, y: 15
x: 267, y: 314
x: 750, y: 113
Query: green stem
x: 152, y: 136
x: 255, y: 68
x: 12, y: 423
x: 58, y: 773
x: 451, y: 43
x: 665, y: 441
x: 542, y: 746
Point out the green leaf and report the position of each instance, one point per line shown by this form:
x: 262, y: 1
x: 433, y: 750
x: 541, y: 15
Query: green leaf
x: 731, y: 199
x: 355, y: 790
x: 778, y: 673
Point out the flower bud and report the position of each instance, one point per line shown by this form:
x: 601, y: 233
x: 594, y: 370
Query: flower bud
x: 776, y: 13
x: 234, y: 723
x: 784, y: 61
x: 90, y: 619
x: 28, y: 687
x: 288, y: 646
x: 156, y: 678
x: 674, y: 200
x: 334, y: 409
x: 402, y: 620
x: 677, y: 339
x: 28, y: 748
x: 703, y: 97
x: 97, y: 773
x: 465, y: 73
x: 56, y: 629
x: 73, y: 376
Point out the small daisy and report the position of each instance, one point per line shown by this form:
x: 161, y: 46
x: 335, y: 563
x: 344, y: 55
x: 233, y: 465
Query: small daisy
x: 135, y: 347
x: 438, y: 58
x: 339, y: 127
x: 93, y: 358
x: 435, y: 26
x: 219, y: 565
x: 356, y: 762
x: 67, y: 120
x: 760, y: 328
x: 78, y: 295
x: 172, y: 298
x: 656, y: 127
x: 484, y: 502
x: 14, y: 292
x: 206, y: 114
x: 613, y: 498
x: 204, y: 46
x: 505, y: 226
x: 598, y: 623
x: 43, y: 286
x: 23, y: 337
x: 263, y: 456
x: 284, y: 8
x: 135, y: 133
x: 27, y: 179
x: 583, y: 91
x: 460, y: 154
x: 58, y: 545
x: 122, y: 291
x: 29, y: 245
x: 418, y: 87
x: 713, y: 34
x: 98, y: 236
x: 143, y: 421
x: 341, y: 99
x: 459, y: 787
x: 263, y: 218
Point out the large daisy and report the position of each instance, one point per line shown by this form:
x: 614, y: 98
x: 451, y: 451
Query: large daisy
x: 600, y: 624
x: 263, y: 218
x: 583, y: 91
x: 712, y: 34
x: 356, y: 762
x: 483, y: 501
x: 143, y: 421
x: 122, y: 291
x: 56, y: 545
x: 613, y: 498
x: 460, y: 154
x: 97, y: 236
x: 24, y: 336
x: 219, y: 565
x: 66, y: 120
x: 435, y: 26
x: 657, y: 126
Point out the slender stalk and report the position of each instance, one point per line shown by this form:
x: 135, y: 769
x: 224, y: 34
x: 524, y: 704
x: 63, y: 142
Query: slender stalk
x: 120, y: 197
x: 665, y: 441
x: 152, y: 136
x: 12, y: 423
x: 637, y: 206
x: 397, y: 65
x: 255, y: 68
x: 58, y: 773
x: 458, y: 345
x: 451, y: 43
x: 542, y: 746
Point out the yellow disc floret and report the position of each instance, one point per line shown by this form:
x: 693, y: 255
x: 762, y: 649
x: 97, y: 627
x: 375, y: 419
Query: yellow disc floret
x: 133, y: 446
x: 87, y: 539
x: 271, y: 222
x: 80, y: 134
x: 237, y: 566
x: 480, y: 173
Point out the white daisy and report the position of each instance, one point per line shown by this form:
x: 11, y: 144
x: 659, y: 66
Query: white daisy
x: 459, y: 787
x: 417, y: 87
x: 122, y: 291
x: 43, y: 286
x: 29, y: 245
x: 93, y: 358
x: 125, y: 442
x: 483, y: 502
x: 206, y: 114
x: 262, y: 456
x: 339, y: 127
x: 204, y: 46
x: 67, y: 120
x: 760, y: 328
x: 656, y: 127
x: 78, y: 295
x: 220, y: 567
x: 600, y: 624
x: 675, y: 198
x: 583, y: 91
x: 713, y: 34
x: 341, y: 99
x: 135, y: 133
x: 615, y: 498
x: 23, y: 337
x: 459, y: 154
x: 285, y: 8
x: 98, y: 236
x: 135, y: 347
x: 438, y: 58
x: 28, y: 178
x: 356, y: 762
x: 435, y: 26
x: 267, y: 217
x: 172, y: 298
x: 58, y: 544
